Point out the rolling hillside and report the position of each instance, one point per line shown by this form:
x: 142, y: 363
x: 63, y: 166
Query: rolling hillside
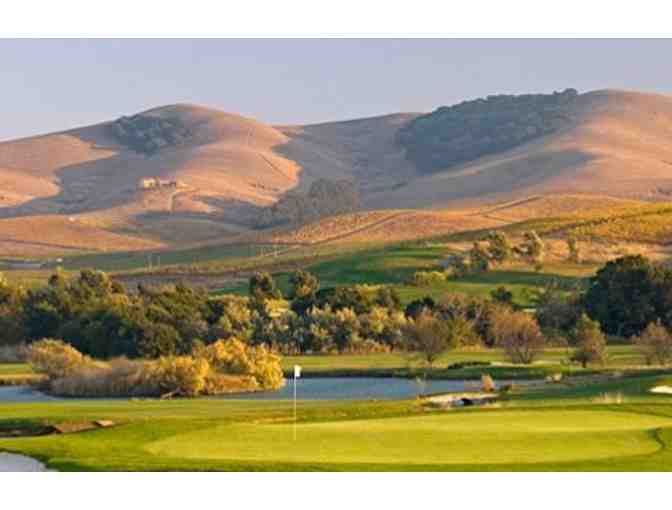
x: 91, y: 189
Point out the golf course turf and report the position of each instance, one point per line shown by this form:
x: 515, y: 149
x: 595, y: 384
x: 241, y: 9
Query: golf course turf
x: 547, y: 429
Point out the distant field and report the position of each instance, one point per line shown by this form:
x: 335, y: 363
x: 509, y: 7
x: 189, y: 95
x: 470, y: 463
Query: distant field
x: 552, y: 361
x: 124, y: 261
x: 395, y: 264
x: 639, y: 223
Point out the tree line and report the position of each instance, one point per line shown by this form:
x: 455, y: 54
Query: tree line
x: 629, y: 297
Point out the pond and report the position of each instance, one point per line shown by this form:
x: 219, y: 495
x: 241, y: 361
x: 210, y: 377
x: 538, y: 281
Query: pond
x: 359, y: 388
x: 12, y: 463
x: 310, y: 388
x: 22, y: 394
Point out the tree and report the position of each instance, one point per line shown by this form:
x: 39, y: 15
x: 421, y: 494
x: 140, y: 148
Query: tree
x: 359, y: 298
x: 518, y: 334
x: 627, y: 294
x: 555, y: 311
x: 263, y: 287
x: 303, y: 292
x: 479, y: 261
x: 499, y: 248
x: 429, y: 336
x: 462, y: 332
x: 655, y: 343
x: 532, y: 249
x: 12, y: 297
x: 388, y: 297
x: 417, y: 306
x: 573, y: 250
x: 591, y: 344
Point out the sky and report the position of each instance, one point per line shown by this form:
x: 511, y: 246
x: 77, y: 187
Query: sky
x: 52, y: 84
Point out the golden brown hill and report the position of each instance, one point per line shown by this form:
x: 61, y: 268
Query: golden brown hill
x: 617, y: 145
x: 212, y: 186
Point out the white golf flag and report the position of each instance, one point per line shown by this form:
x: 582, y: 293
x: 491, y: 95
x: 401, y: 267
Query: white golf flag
x: 297, y: 371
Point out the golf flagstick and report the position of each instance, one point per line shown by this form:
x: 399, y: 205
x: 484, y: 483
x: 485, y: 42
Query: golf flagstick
x: 297, y: 374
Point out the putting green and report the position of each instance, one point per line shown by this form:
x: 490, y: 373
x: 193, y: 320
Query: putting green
x: 454, y: 438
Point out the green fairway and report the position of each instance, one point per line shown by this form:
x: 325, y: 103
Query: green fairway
x: 573, y: 434
x: 474, y: 438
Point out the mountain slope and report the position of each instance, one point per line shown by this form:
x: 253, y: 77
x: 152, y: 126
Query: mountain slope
x: 618, y: 144
x: 213, y: 184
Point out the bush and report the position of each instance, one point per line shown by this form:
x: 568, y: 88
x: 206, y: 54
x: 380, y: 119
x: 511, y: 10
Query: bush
x: 427, y: 278
x: 466, y: 364
x: 56, y: 359
x: 502, y: 295
x: 234, y: 357
x: 224, y: 367
x: 118, y: 378
x: 180, y: 375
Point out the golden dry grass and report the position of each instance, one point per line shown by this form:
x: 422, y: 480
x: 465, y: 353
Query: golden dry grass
x: 42, y: 236
x: 616, y: 146
x: 615, y: 153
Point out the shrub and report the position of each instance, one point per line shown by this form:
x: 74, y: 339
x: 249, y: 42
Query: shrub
x: 427, y: 278
x: 655, y: 344
x: 233, y: 357
x: 465, y: 364
x: 56, y: 359
x: 224, y: 367
x: 118, y: 378
x: 180, y: 375
x: 502, y: 295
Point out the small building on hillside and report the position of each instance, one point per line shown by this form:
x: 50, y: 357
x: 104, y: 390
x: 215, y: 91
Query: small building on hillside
x: 156, y: 183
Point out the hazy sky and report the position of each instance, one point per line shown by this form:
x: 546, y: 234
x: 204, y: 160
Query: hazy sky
x: 50, y: 85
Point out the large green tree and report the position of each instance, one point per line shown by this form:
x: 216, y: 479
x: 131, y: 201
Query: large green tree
x: 629, y: 293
